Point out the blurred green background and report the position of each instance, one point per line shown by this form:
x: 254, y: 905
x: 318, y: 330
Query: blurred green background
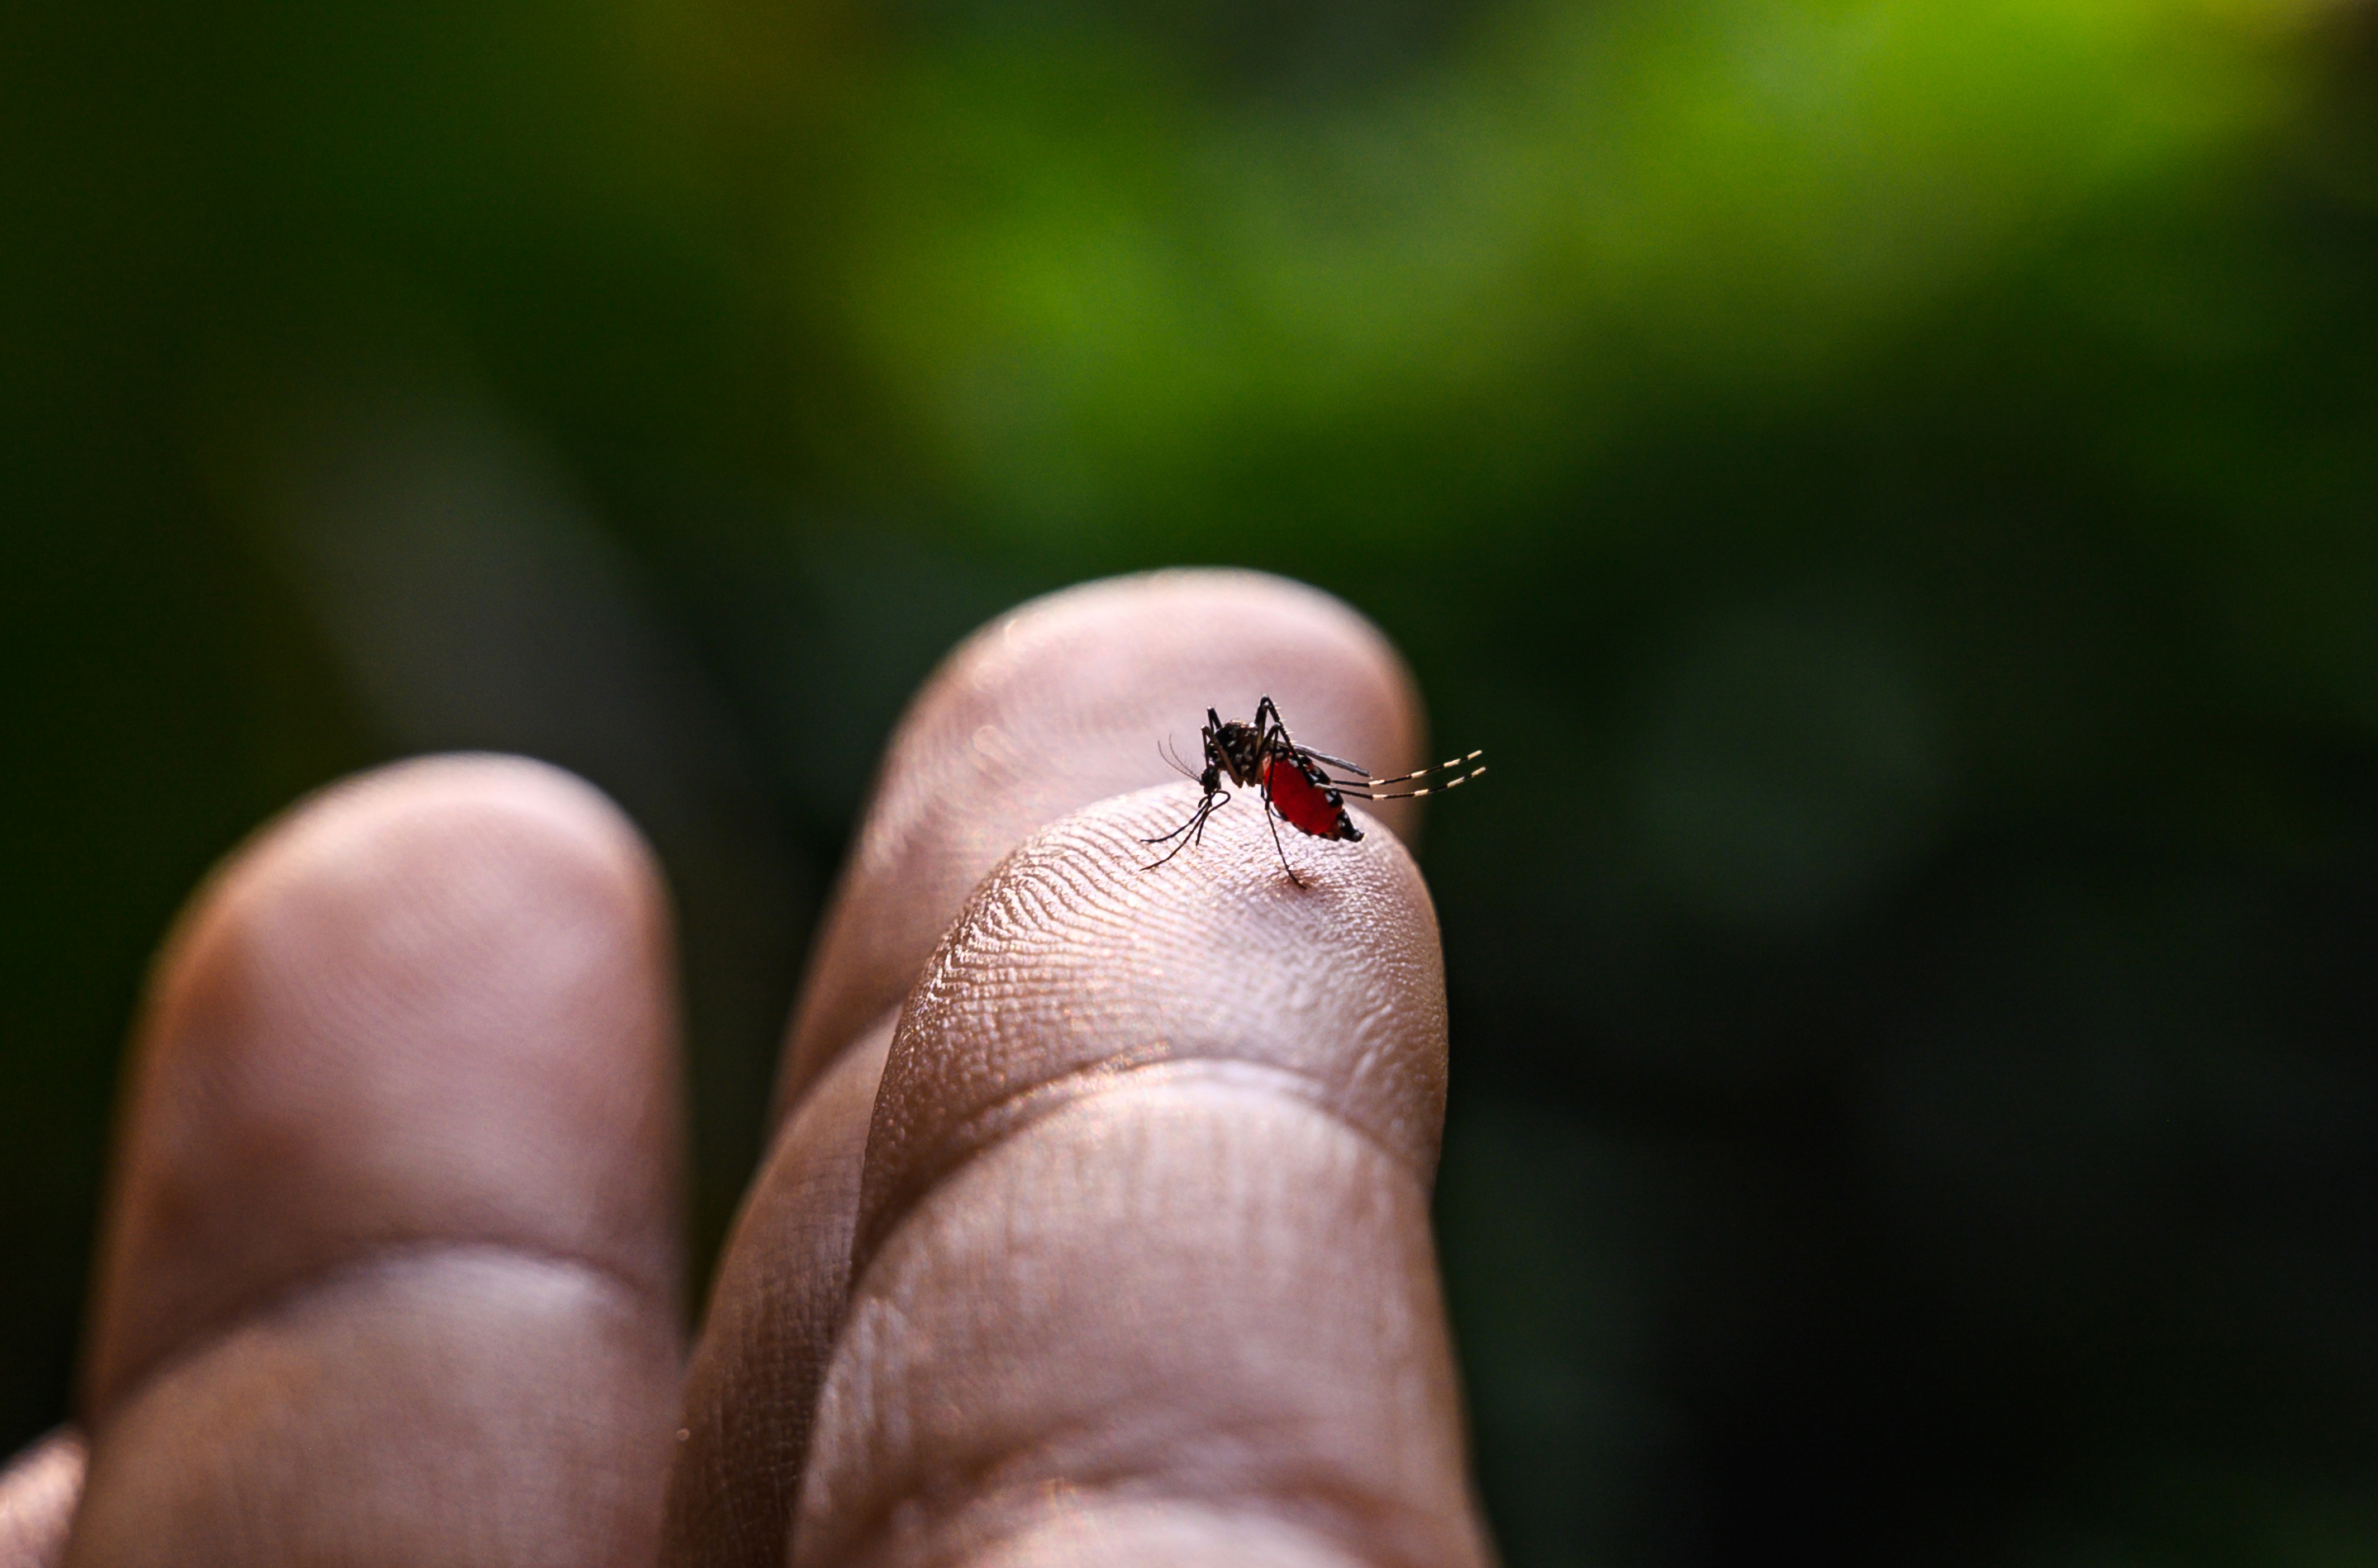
x: 1894, y: 482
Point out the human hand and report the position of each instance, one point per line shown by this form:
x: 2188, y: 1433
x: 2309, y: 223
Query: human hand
x: 1133, y: 1197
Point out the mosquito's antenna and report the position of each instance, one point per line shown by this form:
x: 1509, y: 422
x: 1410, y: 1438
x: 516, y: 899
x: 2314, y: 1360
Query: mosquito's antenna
x: 1174, y: 757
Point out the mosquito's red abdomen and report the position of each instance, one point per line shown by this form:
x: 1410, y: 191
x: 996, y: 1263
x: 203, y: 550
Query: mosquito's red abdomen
x: 1303, y: 797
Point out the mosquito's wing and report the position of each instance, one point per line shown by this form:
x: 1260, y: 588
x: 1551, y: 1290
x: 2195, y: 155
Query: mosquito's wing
x: 1339, y: 763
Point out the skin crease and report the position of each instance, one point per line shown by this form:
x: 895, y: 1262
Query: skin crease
x: 1138, y: 1183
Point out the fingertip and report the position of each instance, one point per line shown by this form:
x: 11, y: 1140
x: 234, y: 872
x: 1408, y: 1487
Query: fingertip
x: 430, y: 1003
x: 1063, y: 701
x: 409, y: 818
x: 38, y: 1490
x: 1076, y: 962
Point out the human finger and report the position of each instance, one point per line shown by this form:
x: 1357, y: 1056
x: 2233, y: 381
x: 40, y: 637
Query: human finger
x: 391, y: 1262
x: 38, y: 1489
x: 1143, y: 1269
x: 1058, y: 704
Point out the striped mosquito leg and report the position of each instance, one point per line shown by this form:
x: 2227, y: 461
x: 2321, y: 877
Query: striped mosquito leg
x: 1360, y: 793
x: 1447, y: 765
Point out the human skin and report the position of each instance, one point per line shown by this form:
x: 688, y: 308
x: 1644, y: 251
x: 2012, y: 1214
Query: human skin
x: 1093, y: 1228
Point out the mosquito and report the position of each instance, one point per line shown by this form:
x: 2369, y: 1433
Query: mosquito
x: 1296, y: 783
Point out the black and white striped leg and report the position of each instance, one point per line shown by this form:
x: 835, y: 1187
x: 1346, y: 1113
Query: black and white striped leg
x: 1362, y: 792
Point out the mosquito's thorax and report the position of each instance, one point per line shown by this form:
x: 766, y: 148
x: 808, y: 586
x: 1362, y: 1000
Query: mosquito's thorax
x: 1239, y: 747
